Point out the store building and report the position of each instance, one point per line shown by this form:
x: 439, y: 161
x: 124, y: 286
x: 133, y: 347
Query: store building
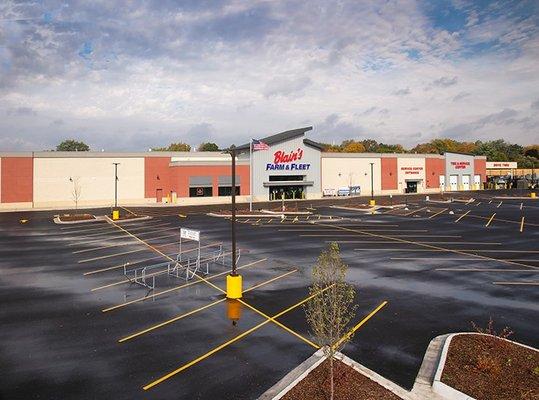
x: 289, y: 168
x: 293, y: 166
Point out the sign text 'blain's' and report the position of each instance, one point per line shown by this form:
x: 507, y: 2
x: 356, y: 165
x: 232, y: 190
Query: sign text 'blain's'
x: 285, y: 161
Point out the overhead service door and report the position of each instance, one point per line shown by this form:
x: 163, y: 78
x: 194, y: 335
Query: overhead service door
x: 453, y: 182
x: 477, y: 182
x: 442, y: 182
x: 465, y: 182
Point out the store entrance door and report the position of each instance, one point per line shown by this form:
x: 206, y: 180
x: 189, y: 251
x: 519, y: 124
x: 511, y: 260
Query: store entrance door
x: 411, y: 186
x: 290, y: 192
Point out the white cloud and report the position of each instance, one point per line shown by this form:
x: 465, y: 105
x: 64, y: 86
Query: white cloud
x: 255, y: 68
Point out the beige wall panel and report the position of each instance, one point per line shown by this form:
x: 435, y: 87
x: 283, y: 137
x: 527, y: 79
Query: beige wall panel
x: 96, y: 178
x: 344, y: 172
x: 411, y: 169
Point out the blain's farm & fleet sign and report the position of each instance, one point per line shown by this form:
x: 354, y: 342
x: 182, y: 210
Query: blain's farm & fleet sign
x: 287, y: 161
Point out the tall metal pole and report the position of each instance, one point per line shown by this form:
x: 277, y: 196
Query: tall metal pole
x: 372, y: 181
x: 251, y: 174
x: 233, y: 221
x: 116, y: 184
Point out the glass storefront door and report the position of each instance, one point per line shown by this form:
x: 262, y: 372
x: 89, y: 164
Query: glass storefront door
x: 289, y: 192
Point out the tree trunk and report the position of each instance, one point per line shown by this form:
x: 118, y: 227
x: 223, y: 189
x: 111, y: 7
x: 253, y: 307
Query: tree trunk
x: 331, y: 377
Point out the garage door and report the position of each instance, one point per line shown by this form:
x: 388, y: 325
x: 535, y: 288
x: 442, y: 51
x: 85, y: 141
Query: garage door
x: 477, y: 182
x: 442, y: 182
x: 465, y: 182
x: 453, y: 182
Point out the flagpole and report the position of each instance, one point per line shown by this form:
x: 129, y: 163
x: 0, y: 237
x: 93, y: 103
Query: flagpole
x: 251, y: 174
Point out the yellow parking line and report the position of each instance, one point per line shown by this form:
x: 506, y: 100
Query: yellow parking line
x: 463, y: 215
x: 163, y: 254
x: 228, y: 343
x: 147, y: 259
x: 442, y: 249
x: 412, y: 212
x: 177, y: 318
x: 486, y: 270
x: 120, y: 265
x: 211, y: 284
x: 490, y: 220
x: 429, y: 246
x: 111, y: 255
x: 360, y: 324
x: 163, y: 271
x: 176, y: 288
x: 117, y: 245
x: 438, y: 213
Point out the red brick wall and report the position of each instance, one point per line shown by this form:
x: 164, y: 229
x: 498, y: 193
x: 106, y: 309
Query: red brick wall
x: 181, y: 174
x: 157, y: 176
x: 389, y: 173
x: 480, y: 168
x: 17, y: 179
x: 434, y: 167
x: 176, y: 179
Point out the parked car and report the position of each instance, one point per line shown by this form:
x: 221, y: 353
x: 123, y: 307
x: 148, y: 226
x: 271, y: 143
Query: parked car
x: 343, y: 191
x: 329, y: 192
x: 349, y: 191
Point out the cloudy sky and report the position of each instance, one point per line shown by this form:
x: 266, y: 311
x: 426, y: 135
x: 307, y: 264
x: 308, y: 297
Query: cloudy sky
x: 128, y: 75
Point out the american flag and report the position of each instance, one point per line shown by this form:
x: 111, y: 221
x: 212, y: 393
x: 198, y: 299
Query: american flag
x: 259, y: 145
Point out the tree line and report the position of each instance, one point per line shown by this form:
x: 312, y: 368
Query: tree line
x: 494, y: 150
x: 73, y: 145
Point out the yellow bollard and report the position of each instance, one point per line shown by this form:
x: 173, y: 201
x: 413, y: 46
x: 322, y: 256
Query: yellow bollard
x: 372, y: 202
x: 533, y: 195
x: 233, y: 286
x: 115, y: 215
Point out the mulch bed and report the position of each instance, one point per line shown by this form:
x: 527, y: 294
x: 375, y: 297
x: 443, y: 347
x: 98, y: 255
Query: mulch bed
x: 486, y: 367
x: 349, y: 385
x: 75, y: 217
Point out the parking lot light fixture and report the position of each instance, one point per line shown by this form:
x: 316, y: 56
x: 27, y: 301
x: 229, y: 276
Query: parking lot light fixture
x: 233, y: 280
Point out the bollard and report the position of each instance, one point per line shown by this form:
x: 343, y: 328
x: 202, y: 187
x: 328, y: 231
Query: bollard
x: 533, y: 195
x: 115, y: 215
x: 233, y: 286
x: 372, y: 202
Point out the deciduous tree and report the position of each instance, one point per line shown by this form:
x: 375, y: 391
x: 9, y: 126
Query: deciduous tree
x: 72, y: 145
x: 331, y: 310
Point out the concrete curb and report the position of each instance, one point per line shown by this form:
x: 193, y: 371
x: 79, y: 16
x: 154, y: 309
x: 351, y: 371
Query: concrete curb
x: 211, y: 214
x: 119, y: 221
x: 447, y: 391
x: 293, y: 377
x: 370, y: 210
x: 286, y: 212
x: 57, y: 220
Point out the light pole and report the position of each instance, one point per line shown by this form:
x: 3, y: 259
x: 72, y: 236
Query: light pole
x: 233, y: 280
x: 372, y: 184
x: 116, y: 184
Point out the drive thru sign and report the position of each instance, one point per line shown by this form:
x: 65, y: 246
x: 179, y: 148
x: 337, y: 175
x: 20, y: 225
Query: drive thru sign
x: 190, y: 234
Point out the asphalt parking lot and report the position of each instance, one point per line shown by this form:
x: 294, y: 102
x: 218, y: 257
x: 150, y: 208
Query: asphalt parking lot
x: 73, y: 327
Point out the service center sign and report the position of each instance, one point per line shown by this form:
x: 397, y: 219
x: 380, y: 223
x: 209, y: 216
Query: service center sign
x: 288, y: 161
x: 460, y: 164
x: 412, y: 170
